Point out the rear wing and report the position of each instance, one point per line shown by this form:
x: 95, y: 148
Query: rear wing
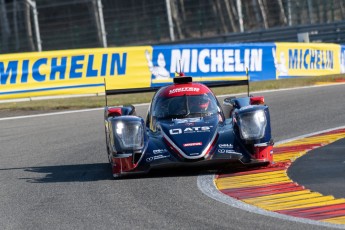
x: 221, y: 83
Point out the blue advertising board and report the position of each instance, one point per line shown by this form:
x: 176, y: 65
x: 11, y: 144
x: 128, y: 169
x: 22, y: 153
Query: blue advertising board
x: 212, y: 62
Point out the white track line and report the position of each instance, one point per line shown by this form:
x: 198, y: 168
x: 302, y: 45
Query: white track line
x: 207, y: 186
x: 48, y: 114
x: 287, y: 89
x: 60, y: 113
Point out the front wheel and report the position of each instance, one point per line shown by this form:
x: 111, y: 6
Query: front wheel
x: 116, y: 170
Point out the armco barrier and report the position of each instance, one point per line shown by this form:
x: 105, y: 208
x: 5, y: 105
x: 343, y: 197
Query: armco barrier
x: 148, y: 67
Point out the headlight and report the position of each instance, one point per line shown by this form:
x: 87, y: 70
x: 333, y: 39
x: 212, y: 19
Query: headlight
x: 129, y: 134
x: 253, y: 124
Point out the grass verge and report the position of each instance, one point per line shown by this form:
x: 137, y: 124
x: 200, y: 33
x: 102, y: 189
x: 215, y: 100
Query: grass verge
x: 135, y: 98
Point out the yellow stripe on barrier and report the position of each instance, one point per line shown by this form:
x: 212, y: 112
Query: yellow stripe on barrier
x: 249, y: 176
x: 253, y: 178
x: 315, y: 140
x: 336, y: 220
x: 297, y: 204
x: 276, y: 196
x: 285, y: 157
x: 283, y: 200
x: 313, y: 203
x: 228, y: 185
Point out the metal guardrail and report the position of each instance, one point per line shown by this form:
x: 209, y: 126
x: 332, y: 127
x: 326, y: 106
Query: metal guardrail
x: 329, y: 33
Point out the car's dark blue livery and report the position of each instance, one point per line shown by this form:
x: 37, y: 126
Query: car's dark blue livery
x: 186, y: 125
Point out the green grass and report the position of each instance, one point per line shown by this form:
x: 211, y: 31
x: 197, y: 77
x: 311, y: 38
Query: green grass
x: 135, y: 98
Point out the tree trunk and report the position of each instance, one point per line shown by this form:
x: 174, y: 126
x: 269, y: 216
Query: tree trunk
x: 332, y: 10
x: 289, y: 12
x: 95, y: 18
x: 5, y: 27
x: 256, y: 12
x: 234, y: 10
x: 263, y: 13
x: 183, y: 11
x: 176, y: 18
x: 240, y: 14
x: 28, y: 28
x: 342, y: 8
x: 231, y: 17
x: 15, y: 24
x: 221, y: 17
x: 282, y: 12
x: 325, y: 7
x: 135, y: 27
x: 216, y: 20
x: 310, y: 12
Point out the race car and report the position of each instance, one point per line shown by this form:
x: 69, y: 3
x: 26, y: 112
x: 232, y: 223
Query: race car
x: 185, y: 126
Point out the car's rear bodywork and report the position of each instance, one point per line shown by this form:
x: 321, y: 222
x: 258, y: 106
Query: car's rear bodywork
x: 186, y: 125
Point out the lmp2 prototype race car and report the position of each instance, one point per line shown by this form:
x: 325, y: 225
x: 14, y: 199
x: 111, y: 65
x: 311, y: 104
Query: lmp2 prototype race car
x: 185, y: 125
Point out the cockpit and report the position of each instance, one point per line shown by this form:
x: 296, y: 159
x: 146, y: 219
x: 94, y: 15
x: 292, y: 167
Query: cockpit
x: 185, y: 106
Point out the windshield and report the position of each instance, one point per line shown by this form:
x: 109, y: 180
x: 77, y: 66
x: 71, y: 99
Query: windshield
x: 185, y: 106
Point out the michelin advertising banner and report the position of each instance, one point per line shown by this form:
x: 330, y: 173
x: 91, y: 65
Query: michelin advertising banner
x: 306, y: 59
x: 73, y: 71
x: 212, y: 62
x: 83, y: 71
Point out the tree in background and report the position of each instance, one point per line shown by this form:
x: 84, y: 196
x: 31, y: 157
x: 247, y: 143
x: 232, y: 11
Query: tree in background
x: 68, y: 24
x: 5, y: 27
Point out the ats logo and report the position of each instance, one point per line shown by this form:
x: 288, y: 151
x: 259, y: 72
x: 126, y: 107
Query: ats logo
x: 190, y: 130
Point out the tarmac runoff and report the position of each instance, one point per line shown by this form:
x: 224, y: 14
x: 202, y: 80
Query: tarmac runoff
x: 269, y: 191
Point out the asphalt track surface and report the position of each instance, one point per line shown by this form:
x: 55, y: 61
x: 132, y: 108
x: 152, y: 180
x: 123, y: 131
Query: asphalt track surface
x: 54, y: 173
x: 314, y: 170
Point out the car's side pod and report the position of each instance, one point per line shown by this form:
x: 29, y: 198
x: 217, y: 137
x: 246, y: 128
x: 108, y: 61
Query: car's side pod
x: 252, y: 112
x: 125, y: 138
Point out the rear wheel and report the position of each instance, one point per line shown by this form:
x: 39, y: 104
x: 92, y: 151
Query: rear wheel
x: 117, y: 176
x: 109, y: 154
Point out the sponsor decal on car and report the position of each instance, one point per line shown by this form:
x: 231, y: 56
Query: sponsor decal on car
x: 192, y: 144
x: 159, y: 151
x: 226, y: 146
x: 221, y: 150
x: 188, y: 121
x: 184, y: 89
x: 153, y: 158
x: 159, y: 157
x: 227, y: 151
x: 196, y: 129
x: 149, y: 159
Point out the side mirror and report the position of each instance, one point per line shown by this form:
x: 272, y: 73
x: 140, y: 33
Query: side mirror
x: 228, y: 101
x: 228, y: 106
